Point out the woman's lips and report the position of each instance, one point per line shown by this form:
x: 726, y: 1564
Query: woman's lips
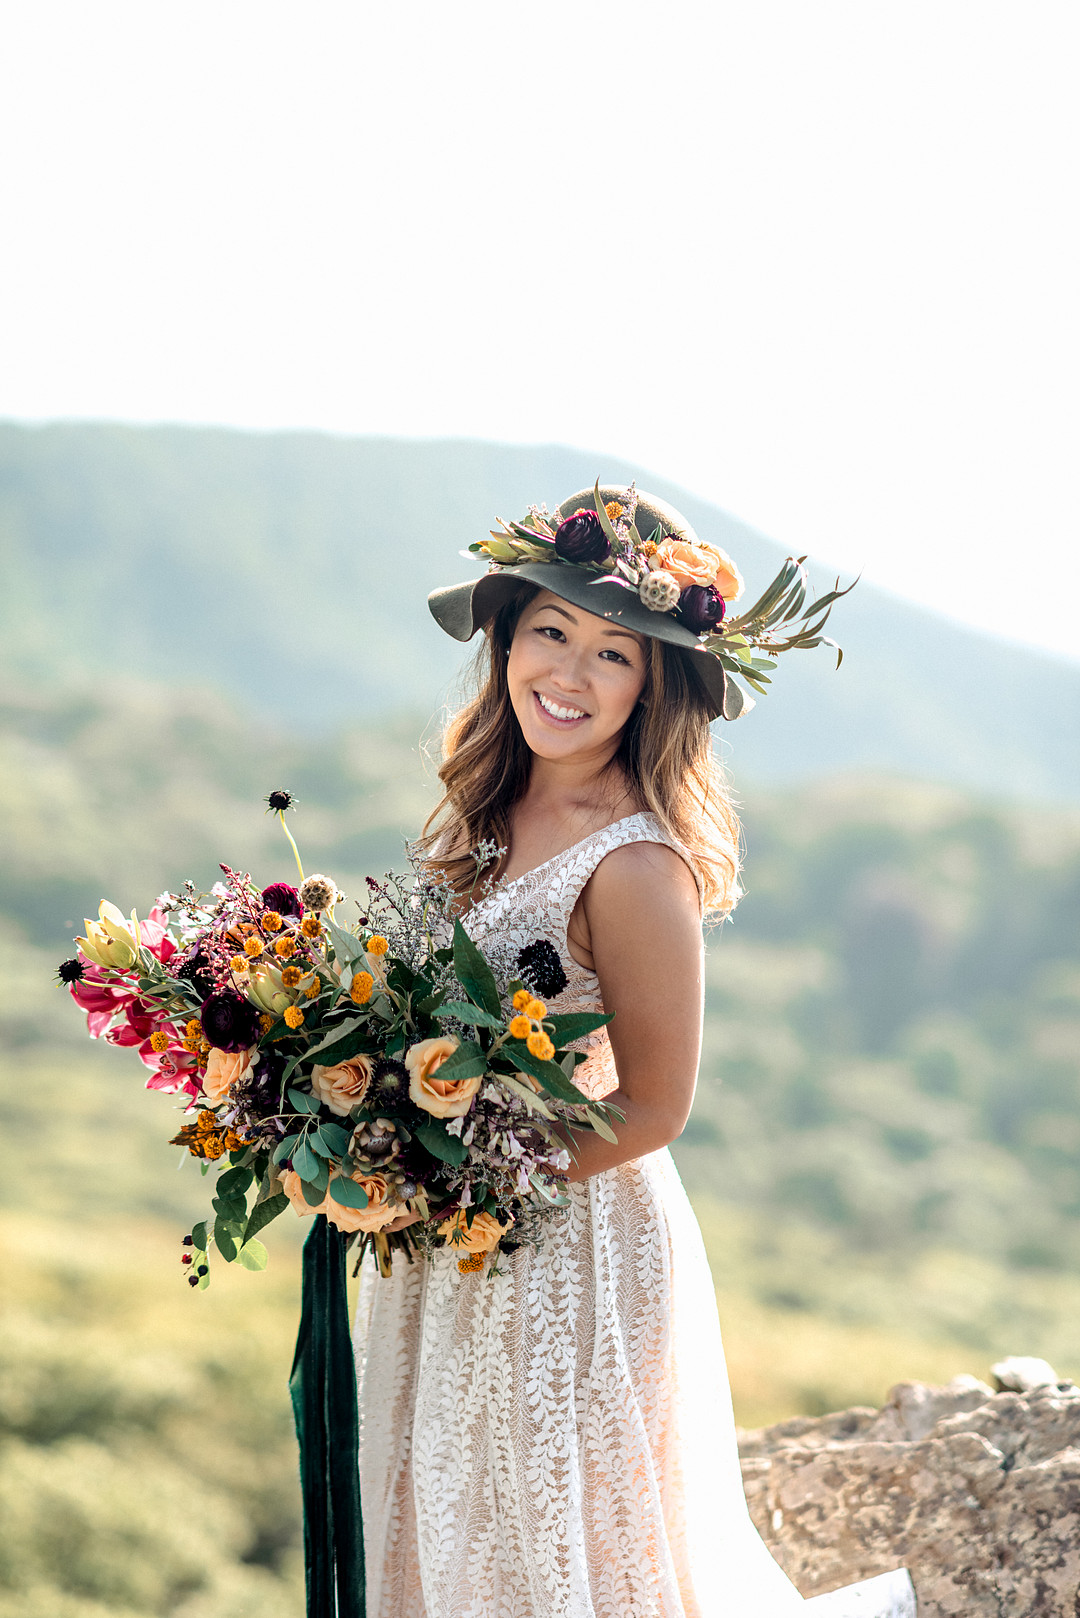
x: 565, y: 714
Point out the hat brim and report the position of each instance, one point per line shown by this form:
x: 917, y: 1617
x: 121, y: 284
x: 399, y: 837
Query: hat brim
x: 462, y: 609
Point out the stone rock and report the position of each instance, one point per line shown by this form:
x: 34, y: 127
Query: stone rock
x: 1019, y: 1374
x: 976, y: 1492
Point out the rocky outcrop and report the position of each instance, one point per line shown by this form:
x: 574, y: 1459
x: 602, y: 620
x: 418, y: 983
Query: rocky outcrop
x: 977, y: 1492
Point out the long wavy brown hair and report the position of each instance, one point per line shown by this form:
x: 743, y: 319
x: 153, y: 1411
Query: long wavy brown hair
x: 665, y: 755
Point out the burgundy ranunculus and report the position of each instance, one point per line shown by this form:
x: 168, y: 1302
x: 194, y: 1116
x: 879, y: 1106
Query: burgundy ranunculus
x: 701, y: 608
x: 284, y: 899
x: 229, y: 1021
x: 581, y: 538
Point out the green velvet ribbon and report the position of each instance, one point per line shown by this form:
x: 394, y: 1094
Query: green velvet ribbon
x: 323, y: 1389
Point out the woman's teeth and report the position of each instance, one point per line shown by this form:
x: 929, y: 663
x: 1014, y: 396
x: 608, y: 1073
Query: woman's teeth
x: 559, y: 713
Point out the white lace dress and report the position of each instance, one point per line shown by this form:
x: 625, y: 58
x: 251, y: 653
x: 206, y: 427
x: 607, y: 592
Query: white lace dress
x: 557, y: 1441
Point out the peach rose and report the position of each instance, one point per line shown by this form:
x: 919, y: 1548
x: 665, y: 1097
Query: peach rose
x: 482, y: 1237
x: 377, y: 1213
x: 693, y: 562
x: 344, y: 1085
x: 223, y: 1070
x: 443, y: 1098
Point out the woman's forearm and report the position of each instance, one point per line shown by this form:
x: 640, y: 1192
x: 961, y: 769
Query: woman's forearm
x: 645, y: 1127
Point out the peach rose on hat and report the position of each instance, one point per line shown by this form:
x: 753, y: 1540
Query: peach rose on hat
x: 223, y: 1070
x: 443, y: 1098
x: 482, y: 1236
x: 693, y: 562
x: 343, y: 1086
x: 378, y: 1213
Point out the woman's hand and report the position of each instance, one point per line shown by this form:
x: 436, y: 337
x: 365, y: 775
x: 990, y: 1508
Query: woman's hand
x: 402, y: 1222
x: 642, y: 915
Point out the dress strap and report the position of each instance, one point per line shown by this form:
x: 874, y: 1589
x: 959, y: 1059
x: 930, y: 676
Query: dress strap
x: 571, y: 878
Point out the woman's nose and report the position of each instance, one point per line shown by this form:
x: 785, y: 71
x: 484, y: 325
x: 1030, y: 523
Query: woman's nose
x: 571, y: 670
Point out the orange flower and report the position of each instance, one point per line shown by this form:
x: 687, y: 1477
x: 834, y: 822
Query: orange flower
x: 521, y: 999
x: 313, y: 990
x: 238, y: 963
x: 159, y: 1040
x: 284, y: 948
x: 294, y: 1017
x: 253, y: 947
x: 379, y: 1210
x: 443, y: 1098
x: 213, y: 1147
x: 290, y: 977
x: 311, y: 927
x: 377, y: 945
x: 362, y: 985
x: 482, y: 1236
x: 614, y: 510
x: 694, y: 562
x: 206, y: 1120
x: 536, y: 1009
x: 266, y: 1022
x: 223, y: 1070
x: 233, y: 1141
x: 540, y: 1046
x: 272, y: 921
x: 342, y: 1086
x: 193, y: 1029
x: 520, y: 1027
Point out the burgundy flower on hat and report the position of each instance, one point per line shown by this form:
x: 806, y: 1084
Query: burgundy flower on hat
x: 581, y: 538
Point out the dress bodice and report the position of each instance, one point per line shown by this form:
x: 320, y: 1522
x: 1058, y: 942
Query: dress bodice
x: 538, y: 905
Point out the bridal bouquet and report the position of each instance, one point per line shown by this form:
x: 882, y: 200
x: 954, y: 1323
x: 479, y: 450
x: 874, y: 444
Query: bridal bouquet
x: 363, y: 1071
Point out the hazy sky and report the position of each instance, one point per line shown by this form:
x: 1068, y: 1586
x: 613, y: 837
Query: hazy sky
x: 817, y: 261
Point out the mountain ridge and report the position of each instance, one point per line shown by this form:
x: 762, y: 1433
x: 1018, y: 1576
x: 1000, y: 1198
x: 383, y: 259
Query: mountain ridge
x: 289, y: 571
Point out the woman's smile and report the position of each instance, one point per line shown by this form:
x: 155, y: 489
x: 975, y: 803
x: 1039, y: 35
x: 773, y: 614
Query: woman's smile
x: 560, y: 713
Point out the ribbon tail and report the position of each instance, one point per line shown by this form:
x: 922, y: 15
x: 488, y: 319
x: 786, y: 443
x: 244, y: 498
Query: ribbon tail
x: 323, y: 1389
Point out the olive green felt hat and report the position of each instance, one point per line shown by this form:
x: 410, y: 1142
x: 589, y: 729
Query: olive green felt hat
x: 462, y: 609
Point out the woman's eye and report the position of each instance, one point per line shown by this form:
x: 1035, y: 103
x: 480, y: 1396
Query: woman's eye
x: 619, y: 658
x: 552, y: 630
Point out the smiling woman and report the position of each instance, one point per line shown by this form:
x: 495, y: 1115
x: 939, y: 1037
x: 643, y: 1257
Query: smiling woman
x: 555, y: 1437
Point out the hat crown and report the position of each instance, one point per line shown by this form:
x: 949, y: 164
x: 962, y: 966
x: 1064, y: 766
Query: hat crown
x: 649, y: 513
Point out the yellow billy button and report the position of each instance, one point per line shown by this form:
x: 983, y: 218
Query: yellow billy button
x: 520, y: 1027
x: 377, y: 945
x: 294, y: 1017
x: 540, y: 1046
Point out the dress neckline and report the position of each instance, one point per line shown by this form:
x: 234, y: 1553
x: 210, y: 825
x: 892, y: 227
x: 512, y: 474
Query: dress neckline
x: 504, y: 886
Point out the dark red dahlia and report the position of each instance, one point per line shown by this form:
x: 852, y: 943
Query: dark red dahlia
x: 284, y: 899
x: 229, y: 1021
x: 701, y: 608
x: 581, y: 538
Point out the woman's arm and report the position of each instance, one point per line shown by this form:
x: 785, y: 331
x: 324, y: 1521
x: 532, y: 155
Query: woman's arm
x: 643, y: 917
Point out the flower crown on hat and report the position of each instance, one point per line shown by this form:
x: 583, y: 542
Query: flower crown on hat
x: 691, y: 581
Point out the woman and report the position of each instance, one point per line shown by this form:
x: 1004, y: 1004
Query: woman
x: 555, y: 1440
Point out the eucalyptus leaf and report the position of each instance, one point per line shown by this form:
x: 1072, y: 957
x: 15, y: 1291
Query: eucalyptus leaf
x: 336, y: 1137
x: 253, y: 1256
x: 474, y: 973
x: 305, y: 1162
x: 571, y: 1025
x: 264, y: 1212
x: 447, y: 1148
x: 348, y: 1193
x: 341, y: 1046
x: 465, y: 1011
x: 225, y: 1241
x: 198, y: 1235
x: 233, y: 1182
x: 283, y: 1149
x: 601, y: 1126
x: 467, y: 1062
x: 313, y: 1194
x: 551, y: 1076
x: 303, y: 1101
x: 346, y: 946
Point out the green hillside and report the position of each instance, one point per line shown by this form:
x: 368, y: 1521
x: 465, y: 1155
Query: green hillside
x: 289, y: 570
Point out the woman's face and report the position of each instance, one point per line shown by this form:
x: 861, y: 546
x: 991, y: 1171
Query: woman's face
x: 574, y: 679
